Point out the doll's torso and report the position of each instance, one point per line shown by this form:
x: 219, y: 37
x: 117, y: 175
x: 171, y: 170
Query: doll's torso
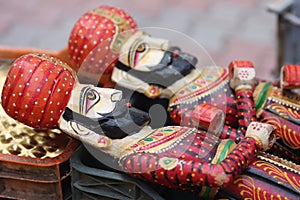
x: 176, y: 141
x: 174, y: 150
x: 210, y: 87
x: 273, y: 106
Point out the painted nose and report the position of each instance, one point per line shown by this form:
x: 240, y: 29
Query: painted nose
x: 116, y: 96
x: 159, y: 44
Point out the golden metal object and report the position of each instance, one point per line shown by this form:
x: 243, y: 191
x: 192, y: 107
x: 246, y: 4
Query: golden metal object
x: 18, y: 139
x: 34, y: 163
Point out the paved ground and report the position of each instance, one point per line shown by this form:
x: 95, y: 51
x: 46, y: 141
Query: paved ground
x: 227, y: 30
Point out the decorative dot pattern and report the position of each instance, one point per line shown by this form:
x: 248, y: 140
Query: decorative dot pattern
x: 188, y: 164
x: 244, y: 74
x: 242, y: 68
x: 37, y: 90
x: 92, y: 36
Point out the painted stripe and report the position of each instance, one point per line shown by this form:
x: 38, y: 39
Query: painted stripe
x: 262, y: 96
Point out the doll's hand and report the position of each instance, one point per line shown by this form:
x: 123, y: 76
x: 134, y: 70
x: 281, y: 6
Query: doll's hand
x: 242, y: 75
x: 263, y: 133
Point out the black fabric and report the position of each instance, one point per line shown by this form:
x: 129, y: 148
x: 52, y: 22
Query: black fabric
x: 142, y: 102
x: 170, y: 69
x: 120, y: 123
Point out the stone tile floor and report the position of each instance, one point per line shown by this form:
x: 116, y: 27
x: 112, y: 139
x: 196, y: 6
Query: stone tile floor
x: 227, y: 30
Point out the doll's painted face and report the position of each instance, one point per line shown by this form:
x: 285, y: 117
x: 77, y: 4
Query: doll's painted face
x: 142, y: 51
x: 145, y: 62
x: 94, y: 102
x: 101, y: 110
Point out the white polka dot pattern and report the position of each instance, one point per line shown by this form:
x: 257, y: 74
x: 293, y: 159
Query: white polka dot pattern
x: 37, y: 90
x: 92, y: 37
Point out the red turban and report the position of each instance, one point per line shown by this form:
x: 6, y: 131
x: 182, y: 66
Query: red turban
x: 37, y: 90
x: 95, y: 41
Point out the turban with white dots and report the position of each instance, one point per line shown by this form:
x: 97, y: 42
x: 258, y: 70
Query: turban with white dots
x: 97, y: 37
x: 37, y: 90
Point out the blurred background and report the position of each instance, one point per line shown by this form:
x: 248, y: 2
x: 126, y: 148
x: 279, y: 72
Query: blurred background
x: 227, y: 30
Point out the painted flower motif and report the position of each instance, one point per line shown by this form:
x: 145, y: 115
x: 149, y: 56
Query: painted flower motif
x: 168, y: 163
x: 193, y: 87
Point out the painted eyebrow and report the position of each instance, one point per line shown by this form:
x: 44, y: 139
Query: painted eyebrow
x: 133, y: 48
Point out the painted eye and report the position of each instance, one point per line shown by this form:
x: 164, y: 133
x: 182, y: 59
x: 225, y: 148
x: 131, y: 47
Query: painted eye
x: 141, y: 47
x: 140, y: 52
x: 91, y: 95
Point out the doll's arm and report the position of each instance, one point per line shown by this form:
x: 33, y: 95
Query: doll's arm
x: 242, y: 80
x: 246, y: 115
x: 179, y: 172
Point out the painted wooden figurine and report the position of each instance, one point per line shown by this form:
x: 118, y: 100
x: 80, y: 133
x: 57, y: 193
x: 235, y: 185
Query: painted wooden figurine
x: 188, y: 87
x: 43, y: 92
x: 155, y: 70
